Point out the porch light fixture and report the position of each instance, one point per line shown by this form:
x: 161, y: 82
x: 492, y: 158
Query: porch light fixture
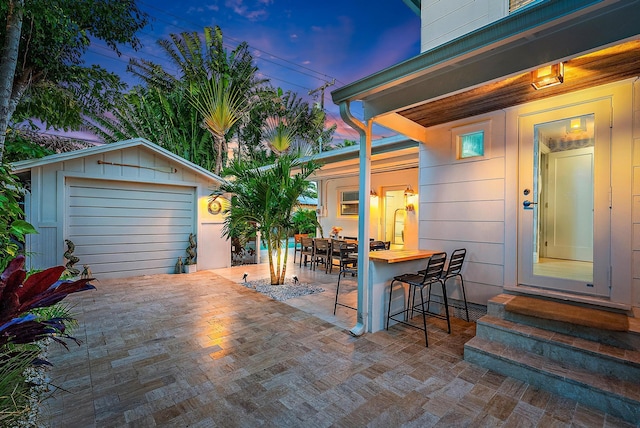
x: 548, y: 76
x: 373, y: 194
x: 577, y: 124
x: 409, y: 191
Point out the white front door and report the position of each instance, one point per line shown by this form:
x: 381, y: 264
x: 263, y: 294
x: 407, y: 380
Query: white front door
x: 564, y: 210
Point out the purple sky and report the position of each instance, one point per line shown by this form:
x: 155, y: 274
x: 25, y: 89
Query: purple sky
x: 297, y: 45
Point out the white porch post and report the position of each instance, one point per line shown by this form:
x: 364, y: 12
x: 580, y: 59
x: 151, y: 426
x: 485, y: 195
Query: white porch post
x: 364, y: 213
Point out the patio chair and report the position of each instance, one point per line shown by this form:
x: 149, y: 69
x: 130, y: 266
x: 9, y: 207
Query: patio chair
x: 335, y: 253
x: 297, y: 245
x: 432, y: 274
x: 348, y: 264
x: 321, y: 254
x: 306, y: 250
x: 377, y: 246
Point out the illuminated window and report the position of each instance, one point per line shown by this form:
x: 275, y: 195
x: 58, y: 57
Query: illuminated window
x: 471, y: 142
x: 349, y: 202
x: 471, y: 145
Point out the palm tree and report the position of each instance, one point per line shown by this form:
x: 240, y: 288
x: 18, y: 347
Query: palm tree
x: 267, y: 197
x: 221, y: 106
x: 226, y: 80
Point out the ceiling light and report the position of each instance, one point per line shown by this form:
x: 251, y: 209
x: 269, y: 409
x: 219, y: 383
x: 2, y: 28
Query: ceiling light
x: 548, y: 76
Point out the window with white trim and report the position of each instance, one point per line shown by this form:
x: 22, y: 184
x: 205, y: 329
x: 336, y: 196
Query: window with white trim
x: 471, y: 142
x: 349, y: 202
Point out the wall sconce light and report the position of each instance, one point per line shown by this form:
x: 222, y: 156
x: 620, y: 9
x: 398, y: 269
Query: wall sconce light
x: 373, y: 194
x: 577, y: 124
x: 409, y: 191
x: 548, y: 76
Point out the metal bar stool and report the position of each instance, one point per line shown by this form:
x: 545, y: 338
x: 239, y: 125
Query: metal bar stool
x: 455, y: 269
x: 348, y: 264
x: 431, y: 275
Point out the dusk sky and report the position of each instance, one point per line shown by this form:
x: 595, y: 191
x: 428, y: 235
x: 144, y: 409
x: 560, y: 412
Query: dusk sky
x: 297, y: 45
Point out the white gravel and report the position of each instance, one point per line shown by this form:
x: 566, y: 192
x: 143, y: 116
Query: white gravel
x: 288, y: 290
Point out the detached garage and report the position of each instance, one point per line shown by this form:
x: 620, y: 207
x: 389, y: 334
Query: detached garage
x: 128, y: 208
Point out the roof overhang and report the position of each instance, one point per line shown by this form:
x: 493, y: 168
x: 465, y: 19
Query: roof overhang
x: 387, y: 154
x: 414, y: 5
x: 546, y: 33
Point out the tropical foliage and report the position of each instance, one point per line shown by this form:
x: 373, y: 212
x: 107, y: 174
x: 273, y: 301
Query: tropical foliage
x: 216, y: 97
x: 13, y: 228
x: 305, y: 221
x: 42, y: 75
x: 267, y: 197
x: 26, y: 318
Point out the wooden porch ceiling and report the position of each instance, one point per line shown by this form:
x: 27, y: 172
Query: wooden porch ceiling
x: 607, y: 65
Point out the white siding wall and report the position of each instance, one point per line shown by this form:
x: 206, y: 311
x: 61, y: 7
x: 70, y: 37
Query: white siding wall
x: 47, y: 210
x: 462, y: 203
x: 444, y: 20
x: 475, y: 204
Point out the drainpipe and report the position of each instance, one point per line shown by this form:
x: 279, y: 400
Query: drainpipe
x: 364, y: 211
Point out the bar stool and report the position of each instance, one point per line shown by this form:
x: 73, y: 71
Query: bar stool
x: 432, y: 274
x: 455, y: 269
x: 348, y: 264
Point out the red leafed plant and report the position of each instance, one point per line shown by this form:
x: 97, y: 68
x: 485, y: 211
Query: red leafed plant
x: 19, y: 295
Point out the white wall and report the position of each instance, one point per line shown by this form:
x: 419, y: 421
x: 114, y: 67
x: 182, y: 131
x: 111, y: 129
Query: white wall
x: 444, y: 20
x: 462, y: 203
x: 330, y: 191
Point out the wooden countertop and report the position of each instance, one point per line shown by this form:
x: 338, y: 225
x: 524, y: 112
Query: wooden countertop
x: 395, y: 256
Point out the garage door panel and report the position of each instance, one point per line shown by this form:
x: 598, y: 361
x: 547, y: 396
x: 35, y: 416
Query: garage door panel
x: 131, y: 222
x: 127, y: 228
x: 133, y: 247
x: 132, y: 268
x: 100, y: 240
x: 139, y: 257
x: 135, y: 231
x: 77, y: 205
x: 117, y: 191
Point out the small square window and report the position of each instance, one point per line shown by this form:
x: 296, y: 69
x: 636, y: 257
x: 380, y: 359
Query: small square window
x: 349, y: 202
x: 471, y: 145
x: 471, y: 142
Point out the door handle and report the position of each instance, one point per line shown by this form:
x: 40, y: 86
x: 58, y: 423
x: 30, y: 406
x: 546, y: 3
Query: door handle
x: 527, y: 204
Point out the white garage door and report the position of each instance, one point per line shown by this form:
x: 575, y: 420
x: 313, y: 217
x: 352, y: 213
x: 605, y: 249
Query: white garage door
x: 128, y: 229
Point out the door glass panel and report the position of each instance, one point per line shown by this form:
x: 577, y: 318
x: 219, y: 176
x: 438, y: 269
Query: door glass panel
x: 394, y: 217
x: 563, y: 199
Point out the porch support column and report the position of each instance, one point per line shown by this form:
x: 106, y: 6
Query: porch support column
x: 364, y: 214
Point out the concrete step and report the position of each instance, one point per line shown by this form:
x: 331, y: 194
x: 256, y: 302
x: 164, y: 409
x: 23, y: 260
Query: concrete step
x: 629, y: 340
x: 608, y: 393
x: 570, y: 350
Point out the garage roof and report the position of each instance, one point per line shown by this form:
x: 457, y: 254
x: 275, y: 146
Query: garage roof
x: 26, y: 165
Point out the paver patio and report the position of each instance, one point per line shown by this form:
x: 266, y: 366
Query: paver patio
x: 199, y: 350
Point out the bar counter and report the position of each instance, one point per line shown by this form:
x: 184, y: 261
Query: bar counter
x: 383, y: 266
